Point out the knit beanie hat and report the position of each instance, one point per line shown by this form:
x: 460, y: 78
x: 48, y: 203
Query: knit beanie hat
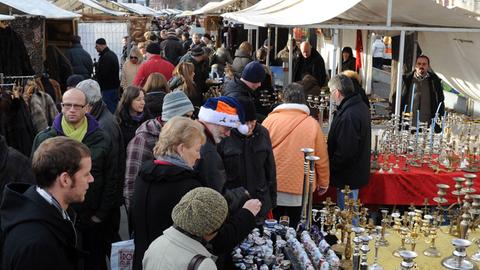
x: 197, y: 51
x: 171, y: 33
x: 253, y: 72
x: 175, y: 103
x: 74, y: 79
x: 200, y: 212
x: 224, y: 111
x: 153, y: 48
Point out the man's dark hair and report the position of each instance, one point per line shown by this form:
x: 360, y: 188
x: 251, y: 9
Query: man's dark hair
x: 76, y: 39
x: 101, y: 41
x: 55, y: 156
x: 293, y: 93
x: 186, y: 35
x: 423, y: 56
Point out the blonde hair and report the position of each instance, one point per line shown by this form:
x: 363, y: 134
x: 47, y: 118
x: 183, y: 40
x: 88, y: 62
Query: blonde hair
x: 352, y: 75
x: 178, y: 130
x: 136, y: 52
x: 156, y: 81
x: 185, y: 70
x: 246, y: 47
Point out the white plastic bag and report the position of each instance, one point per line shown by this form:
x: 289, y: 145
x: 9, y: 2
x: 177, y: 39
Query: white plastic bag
x: 122, y: 255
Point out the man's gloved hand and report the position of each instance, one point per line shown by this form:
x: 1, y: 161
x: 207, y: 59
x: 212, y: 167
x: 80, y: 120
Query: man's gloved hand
x: 236, y: 197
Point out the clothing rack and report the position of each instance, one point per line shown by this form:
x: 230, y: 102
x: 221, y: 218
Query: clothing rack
x: 3, y: 77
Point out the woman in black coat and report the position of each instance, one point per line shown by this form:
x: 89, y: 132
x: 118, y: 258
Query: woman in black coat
x: 348, y: 61
x: 131, y: 112
x: 162, y: 183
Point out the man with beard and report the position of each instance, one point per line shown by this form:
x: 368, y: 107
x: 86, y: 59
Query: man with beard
x: 218, y: 116
x: 427, y: 92
x: 37, y: 220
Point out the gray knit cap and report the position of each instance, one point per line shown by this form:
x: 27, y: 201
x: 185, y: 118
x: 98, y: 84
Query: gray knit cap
x: 175, y: 103
x: 200, y: 212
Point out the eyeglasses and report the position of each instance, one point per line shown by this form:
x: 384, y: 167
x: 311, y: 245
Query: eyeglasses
x: 68, y: 106
x: 189, y: 115
x: 133, y: 57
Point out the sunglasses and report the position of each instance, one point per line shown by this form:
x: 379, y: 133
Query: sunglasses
x: 133, y: 57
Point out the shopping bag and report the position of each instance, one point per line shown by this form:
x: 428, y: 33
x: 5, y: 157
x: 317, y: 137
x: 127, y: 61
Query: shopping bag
x: 122, y: 255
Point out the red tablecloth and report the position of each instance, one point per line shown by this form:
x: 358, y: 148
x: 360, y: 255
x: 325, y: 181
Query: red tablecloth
x: 404, y: 188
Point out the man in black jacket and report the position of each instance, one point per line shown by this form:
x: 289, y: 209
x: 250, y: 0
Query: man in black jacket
x: 37, y: 221
x: 219, y: 116
x: 249, y: 161
x: 80, y: 59
x: 348, y: 139
x: 252, y: 76
x: 107, y: 74
x: 14, y: 167
x: 310, y: 62
x: 172, y: 48
x: 427, y: 91
x: 101, y: 198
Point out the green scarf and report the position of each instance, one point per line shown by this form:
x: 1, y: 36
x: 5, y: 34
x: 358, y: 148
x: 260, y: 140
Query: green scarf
x: 76, y: 134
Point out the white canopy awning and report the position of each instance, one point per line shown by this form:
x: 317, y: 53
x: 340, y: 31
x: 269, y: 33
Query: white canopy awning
x: 136, y: 8
x: 454, y: 57
x: 39, y: 8
x: 6, y: 17
x: 218, y: 7
x: 365, y: 12
x: 86, y: 7
x: 290, y: 12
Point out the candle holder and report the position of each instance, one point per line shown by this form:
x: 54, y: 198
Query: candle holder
x: 408, y: 258
x: 382, y: 241
x: 458, y: 188
x: 431, y: 235
x: 459, y: 259
x: 442, y: 191
x: 356, y: 251
x: 364, y: 249
x: 403, y: 236
x: 376, y: 265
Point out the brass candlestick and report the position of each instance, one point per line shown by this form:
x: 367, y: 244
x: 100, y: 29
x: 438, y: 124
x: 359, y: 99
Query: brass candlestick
x: 430, y: 236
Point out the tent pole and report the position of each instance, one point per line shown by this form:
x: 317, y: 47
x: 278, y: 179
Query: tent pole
x: 339, y: 51
x: 290, y: 55
x: 334, y: 72
x: 257, y: 38
x: 249, y: 34
x: 389, y: 13
x: 368, y: 64
x: 415, y: 49
x: 276, y: 41
x: 269, y: 36
x: 400, y: 73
